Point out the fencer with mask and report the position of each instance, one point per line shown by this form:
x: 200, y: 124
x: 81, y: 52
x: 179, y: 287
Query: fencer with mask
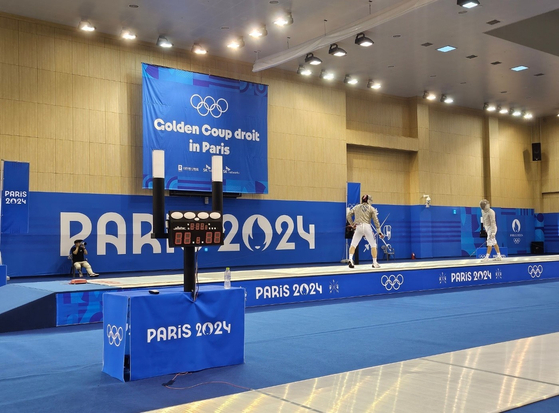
x: 490, y: 224
x: 360, y: 217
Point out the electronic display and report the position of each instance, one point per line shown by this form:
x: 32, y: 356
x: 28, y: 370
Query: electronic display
x: 195, y: 228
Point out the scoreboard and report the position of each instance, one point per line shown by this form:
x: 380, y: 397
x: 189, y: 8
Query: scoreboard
x: 195, y: 228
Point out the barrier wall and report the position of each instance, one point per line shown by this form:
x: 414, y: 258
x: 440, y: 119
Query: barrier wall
x: 257, y: 232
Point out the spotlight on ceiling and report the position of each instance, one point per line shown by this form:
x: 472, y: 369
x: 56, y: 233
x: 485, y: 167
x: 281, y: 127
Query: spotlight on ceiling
x: 446, y: 99
x: 258, y: 32
x: 336, y: 50
x: 468, y: 4
x: 326, y: 75
x: 515, y: 112
x: 503, y: 111
x: 373, y: 85
x: 304, y: 71
x: 528, y: 115
x: 127, y: 34
x: 312, y: 59
x: 429, y: 95
x: 197, y: 49
x: 236, y: 43
x: 284, y: 20
x: 361, y: 40
x: 162, y: 41
x: 489, y: 107
x: 86, y: 26
x: 350, y: 80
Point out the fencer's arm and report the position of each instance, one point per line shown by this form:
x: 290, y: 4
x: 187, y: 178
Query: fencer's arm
x: 377, y: 223
x: 492, y: 221
x: 349, y: 217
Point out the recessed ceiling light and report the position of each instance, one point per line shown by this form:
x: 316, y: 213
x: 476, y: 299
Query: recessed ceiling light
x: 374, y: 85
x: 515, y: 112
x: 489, y: 107
x: 284, y: 20
x: 503, y: 111
x: 468, y: 4
x: 519, y: 68
x: 446, y: 49
x: 350, y: 80
x: 86, y: 26
x: 528, y: 116
x: 162, y: 41
x: 127, y: 34
x: 327, y: 75
x: 305, y: 71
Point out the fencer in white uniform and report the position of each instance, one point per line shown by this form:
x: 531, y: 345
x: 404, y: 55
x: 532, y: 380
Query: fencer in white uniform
x: 360, y: 217
x: 490, y: 224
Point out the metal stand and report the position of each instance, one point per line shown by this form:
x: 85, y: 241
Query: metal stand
x: 189, y: 274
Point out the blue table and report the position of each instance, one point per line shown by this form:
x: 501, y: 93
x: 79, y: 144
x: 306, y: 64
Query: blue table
x: 147, y: 335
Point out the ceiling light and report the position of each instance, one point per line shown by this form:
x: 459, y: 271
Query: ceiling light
x: 257, y: 32
x: 236, y: 43
x: 373, y: 85
x: 519, y: 68
x: 163, y: 42
x: 489, y: 108
x: 336, y: 50
x: 361, y: 40
x: 284, y: 20
x: 503, y: 111
x: 468, y: 4
x: 515, y: 112
x: 197, y: 49
x: 429, y: 95
x: 327, y: 75
x: 312, y: 59
x: 350, y: 80
x: 86, y: 26
x: 446, y: 99
x: 528, y: 115
x: 446, y: 49
x: 304, y: 71
x: 127, y: 34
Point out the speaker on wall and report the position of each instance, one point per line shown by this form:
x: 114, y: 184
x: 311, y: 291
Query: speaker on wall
x: 537, y: 151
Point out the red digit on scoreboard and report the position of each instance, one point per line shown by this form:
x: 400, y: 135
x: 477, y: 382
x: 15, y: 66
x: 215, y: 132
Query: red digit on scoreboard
x: 217, y: 237
x: 187, y: 236
x: 209, y: 237
x: 178, y: 238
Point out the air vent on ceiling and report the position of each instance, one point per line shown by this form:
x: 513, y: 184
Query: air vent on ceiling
x: 496, y: 63
x: 472, y: 56
x: 427, y: 44
x: 492, y: 22
x: 539, y: 74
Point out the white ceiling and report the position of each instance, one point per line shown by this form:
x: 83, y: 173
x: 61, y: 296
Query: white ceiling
x: 404, y: 67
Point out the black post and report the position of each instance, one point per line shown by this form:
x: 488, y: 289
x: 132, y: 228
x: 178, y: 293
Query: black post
x: 189, y: 271
x: 158, y: 208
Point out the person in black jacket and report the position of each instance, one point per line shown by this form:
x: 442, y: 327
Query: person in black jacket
x: 78, y: 253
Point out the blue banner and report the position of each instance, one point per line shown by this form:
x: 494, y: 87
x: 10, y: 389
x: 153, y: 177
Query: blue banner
x: 193, y: 116
x: 353, y: 194
x: 171, y: 333
x: 15, y: 190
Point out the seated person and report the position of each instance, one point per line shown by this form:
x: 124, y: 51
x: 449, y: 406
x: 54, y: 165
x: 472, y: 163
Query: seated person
x: 78, y: 253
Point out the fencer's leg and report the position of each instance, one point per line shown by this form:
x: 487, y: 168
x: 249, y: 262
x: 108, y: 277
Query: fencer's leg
x: 499, y: 258
x: 351, y: 252
x: 374, y: 254
x: 487, y: 254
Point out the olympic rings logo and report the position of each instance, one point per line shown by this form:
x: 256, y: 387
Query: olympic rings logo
x: 115, y: 335
x: 216, y: 108
x: 535, y: 271
x: 392, y: 282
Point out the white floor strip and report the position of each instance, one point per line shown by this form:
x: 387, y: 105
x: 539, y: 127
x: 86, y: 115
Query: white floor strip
x: 491, y: 378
